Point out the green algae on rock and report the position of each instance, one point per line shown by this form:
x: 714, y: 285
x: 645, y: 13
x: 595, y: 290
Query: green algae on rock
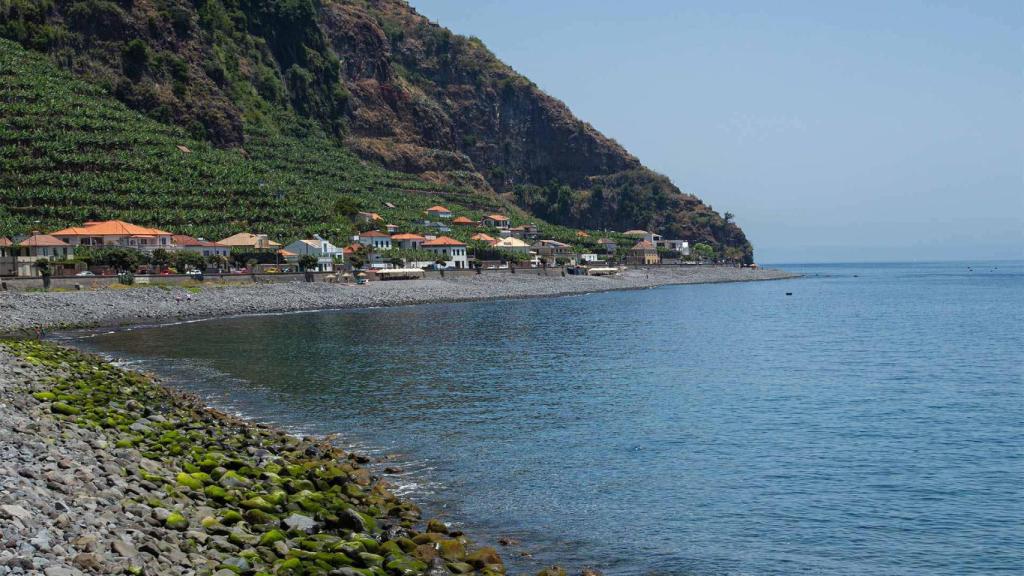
x: 248, y: 499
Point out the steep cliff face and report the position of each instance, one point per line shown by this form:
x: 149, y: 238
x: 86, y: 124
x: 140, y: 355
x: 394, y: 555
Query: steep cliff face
x: 379, y: 78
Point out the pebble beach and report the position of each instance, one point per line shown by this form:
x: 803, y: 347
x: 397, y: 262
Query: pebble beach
x: 21, y: 311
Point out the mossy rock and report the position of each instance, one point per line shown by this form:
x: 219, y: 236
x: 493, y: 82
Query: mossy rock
x: 271, y: 536
x: 451, y: 549
x: 215, y: 492
x: 229, y: 517
x: 407, y: 566
x: 186, y: 479
x: 45, y: 396
x: 460, y: 567
x: 65, y: 409
x: 176, y: 521
x: 258, y: 517
x: 552, y: 571
x: 435, y: 525
x: 258, y: 503
x: 370, y: 559
x: 484, y: 557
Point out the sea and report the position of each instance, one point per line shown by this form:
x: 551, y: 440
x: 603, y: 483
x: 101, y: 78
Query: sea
x: 864, y: 419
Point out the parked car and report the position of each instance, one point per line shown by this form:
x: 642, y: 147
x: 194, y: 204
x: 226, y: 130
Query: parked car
x: 85, y: 273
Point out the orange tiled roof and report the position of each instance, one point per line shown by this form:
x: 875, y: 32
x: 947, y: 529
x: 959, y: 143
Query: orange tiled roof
x: 644, y: 245
x: 373, y: 234
x: 407, y: 237
x: 442, y: 241
x: 482, y: 237
x: 5, y: 241
x: 498, y: 218
x: 286, y: 253
x: 109, y: 228
x: 462, y: 220
x: 438, y: 209
x: 42, y: 240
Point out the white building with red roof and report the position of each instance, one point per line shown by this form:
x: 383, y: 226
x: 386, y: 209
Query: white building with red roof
x: 450, y: 250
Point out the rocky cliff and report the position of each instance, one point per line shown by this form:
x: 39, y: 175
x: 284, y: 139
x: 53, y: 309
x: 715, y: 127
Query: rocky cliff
x: 381, y: 80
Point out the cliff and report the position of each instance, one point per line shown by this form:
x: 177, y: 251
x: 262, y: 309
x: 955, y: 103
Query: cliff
x: 378, y: 79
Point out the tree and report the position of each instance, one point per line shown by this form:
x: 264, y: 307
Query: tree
x: 160, y: 259
x: 728, y: 216
x: 704, y: 251
x: 307, y: 262
x: 185, y: 260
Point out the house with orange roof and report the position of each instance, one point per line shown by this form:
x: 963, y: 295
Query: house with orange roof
x: 481, y: 237
x: 115, y: 233
x: 644, y: 253
x: 495, y: 221
x: 439, y: 212
x: 22, y: 254
x: 450, y: 250
x: 408, y: 241
x: 375, y: 239
x: 200, y: 246
x: 368, y: 216
x: 463, y: 221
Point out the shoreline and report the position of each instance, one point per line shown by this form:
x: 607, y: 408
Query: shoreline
x: 22, y: 312
x: 108, y: 470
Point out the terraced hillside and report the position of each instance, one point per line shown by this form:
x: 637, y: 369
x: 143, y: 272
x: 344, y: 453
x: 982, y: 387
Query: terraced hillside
x: 69, y: 152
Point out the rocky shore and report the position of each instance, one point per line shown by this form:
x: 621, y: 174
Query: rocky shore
x: 20, y: 311
x: 104, y: 471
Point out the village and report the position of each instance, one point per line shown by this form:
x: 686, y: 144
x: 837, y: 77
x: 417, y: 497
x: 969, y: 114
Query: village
x: 379, y: 251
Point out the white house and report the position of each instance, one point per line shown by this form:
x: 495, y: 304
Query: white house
x: 25, y: 252
x: 375, y: 239
x: 408, y: 241
x: 316, y: 246
x: 681, y: 246
x: 453, y: 251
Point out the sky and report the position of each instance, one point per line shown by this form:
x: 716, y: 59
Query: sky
x: 834, y: 131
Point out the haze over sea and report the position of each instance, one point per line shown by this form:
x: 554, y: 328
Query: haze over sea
x: 871, y: 423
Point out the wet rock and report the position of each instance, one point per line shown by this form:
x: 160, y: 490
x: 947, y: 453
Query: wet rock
x: 300, y: 523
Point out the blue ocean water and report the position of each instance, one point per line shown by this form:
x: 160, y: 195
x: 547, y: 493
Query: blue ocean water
x: 870, y: 423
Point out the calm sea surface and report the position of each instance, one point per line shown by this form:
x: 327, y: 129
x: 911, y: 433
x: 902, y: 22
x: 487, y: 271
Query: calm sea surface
x: 872, y: 423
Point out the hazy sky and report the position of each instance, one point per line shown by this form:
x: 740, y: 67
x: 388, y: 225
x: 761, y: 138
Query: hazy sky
x: 835, y: 131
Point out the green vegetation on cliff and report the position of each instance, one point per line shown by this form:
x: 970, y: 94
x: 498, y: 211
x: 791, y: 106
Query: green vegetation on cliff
x: 371, y: 77
x: 70, y: 153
